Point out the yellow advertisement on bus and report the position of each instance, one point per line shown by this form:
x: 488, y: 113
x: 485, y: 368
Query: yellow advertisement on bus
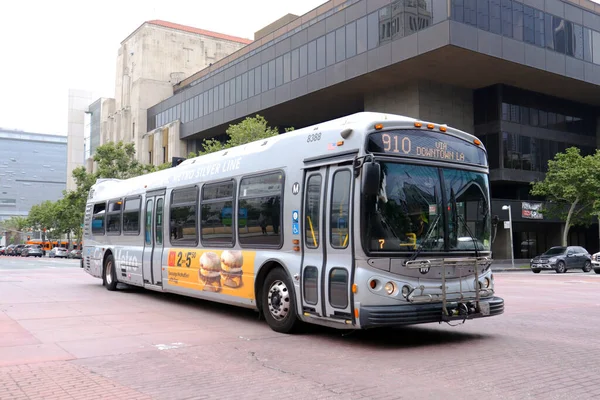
x: 229, y: 272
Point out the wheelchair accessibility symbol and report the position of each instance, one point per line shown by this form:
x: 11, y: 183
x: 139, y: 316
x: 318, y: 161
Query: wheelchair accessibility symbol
x: 295, y: 228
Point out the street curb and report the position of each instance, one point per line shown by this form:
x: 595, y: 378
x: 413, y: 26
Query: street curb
x: 500, y: 269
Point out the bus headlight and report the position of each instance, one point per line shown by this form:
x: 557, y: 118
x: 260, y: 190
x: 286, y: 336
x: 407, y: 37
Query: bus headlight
x: 486, y: 283
x: 389, y: 288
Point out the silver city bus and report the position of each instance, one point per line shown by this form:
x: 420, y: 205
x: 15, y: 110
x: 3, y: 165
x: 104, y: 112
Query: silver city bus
x: 365, y: 221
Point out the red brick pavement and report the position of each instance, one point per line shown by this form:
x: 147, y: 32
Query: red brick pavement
x: 63, y: 336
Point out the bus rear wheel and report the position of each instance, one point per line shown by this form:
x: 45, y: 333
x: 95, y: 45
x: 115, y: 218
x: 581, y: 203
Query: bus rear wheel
x: 278, y: 302
x: 110, y: 278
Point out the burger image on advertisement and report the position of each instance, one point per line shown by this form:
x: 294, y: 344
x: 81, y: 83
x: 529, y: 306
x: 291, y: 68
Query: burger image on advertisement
x: 210, y: 272
x: 231, y: 268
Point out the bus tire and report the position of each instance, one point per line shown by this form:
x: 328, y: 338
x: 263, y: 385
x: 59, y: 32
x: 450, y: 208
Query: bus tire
x: 278, y: 302
x: 108, y: 275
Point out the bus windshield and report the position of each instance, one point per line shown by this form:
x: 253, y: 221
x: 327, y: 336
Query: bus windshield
x: 428, y: 208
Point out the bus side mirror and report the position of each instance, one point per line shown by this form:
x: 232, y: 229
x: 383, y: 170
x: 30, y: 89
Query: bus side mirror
x: 370, y: 178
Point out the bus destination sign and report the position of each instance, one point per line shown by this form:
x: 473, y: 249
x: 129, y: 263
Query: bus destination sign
x: 426, y: 145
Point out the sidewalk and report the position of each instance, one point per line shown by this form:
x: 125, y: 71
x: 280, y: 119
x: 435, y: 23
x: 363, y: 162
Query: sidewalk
x: 506, y: 265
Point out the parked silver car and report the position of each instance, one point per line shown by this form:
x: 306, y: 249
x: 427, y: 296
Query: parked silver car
x: 32, y: 250
x: 60, y: 252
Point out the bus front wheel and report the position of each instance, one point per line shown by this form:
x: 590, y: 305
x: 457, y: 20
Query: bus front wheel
x: 110, y: 277
x: 278, y: 302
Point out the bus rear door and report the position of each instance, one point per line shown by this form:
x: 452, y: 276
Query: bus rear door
x: 328, y: 259
x: 153, y: 238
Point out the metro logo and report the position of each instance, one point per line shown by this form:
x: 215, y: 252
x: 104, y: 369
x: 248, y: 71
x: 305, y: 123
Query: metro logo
x: 171, y: 261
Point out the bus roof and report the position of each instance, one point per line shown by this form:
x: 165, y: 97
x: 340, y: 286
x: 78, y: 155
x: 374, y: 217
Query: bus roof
x: 360, y: 123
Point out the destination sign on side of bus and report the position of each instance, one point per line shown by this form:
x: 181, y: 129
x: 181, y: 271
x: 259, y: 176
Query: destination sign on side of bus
x: 426, y: 145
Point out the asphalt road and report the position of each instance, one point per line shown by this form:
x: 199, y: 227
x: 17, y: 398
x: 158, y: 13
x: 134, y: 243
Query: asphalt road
x: 62, y: 335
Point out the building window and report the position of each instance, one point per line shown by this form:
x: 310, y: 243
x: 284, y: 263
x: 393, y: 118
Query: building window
x: 321, y: 54
x: 303, y: 60
x: 330, y: 48
x: 295, y: 67
x: 575, y: 42
x: 340, y: 44
x: 470, y: 12
x: 183, y: 212
x: 351, y: 40
x: 495, y: 17
x: 279, y: 71
x: 217, y: 214
x: 372, y: 30
x: 259, y: 210
x: 506, y: 11
x: 538, y: 25
x: 596, y: 47
x: 361, y: 35
x: 483, y: 14
x: 517, y: 20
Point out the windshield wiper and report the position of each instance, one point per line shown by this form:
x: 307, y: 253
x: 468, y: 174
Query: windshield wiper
x: 426, y: 239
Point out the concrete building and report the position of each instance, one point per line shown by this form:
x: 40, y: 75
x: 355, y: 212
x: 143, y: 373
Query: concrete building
x: 79, y: 101
x: 524, y: 76
x: 33, y: 169
x: 157, y: 55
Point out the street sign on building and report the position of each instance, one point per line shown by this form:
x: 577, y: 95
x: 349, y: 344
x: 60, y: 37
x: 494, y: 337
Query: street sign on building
x: 506, y: 224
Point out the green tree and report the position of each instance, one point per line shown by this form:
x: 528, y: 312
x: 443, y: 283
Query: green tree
x: 65, y: 216
x: 14, y: 226
x: 571, y: 187
x: 249, y: 130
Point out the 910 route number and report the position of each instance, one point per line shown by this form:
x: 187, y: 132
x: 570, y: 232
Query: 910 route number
x: 313, y: 137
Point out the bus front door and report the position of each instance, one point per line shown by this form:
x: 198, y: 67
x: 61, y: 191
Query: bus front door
x: 153, y: 239
x: 327, y: 243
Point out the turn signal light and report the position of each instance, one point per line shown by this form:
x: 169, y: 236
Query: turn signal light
x: 296, y: 248
x: 354, y: 288
x: 373, y: 284
x: 296, y: 241
x: 443, y: 128
x: 477, y: 142
x: 418, y: 124
x: 430, y: 126
x: 378, y: 126
x: 356, y: 313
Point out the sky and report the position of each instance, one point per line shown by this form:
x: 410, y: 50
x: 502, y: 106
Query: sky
x: 49, y: 47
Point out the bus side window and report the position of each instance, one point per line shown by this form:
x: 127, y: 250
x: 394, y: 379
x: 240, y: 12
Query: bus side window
x: 131, y: 216
x: 98, y: 218
x: 182, y: 216
x: 113, y: 217
x: 259, y: 210
x: 217, y: 214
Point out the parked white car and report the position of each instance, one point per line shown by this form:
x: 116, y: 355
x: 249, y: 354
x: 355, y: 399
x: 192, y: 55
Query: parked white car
x: 596, y: 262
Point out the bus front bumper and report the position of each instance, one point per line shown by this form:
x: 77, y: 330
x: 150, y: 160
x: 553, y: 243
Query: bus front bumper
x: 410, y: 314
